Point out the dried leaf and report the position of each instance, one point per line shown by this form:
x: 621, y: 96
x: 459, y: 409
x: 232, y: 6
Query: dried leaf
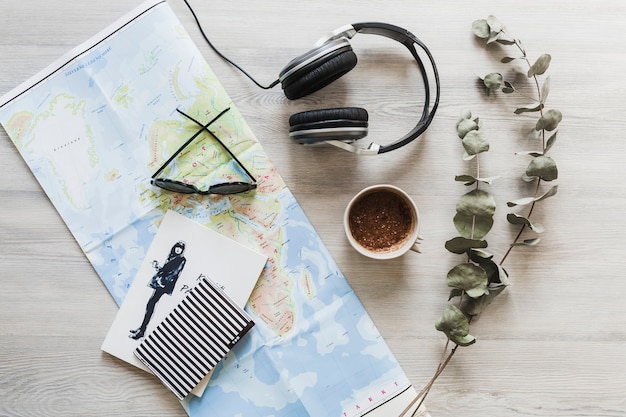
x: 531, y: 153
x: 542, y: 167
x: 473, y: 227
x: 470, y: 278
x: 461, y: 245
x: 521, y: 220
x: 468, y: 179
x: 495, y: 24
x: 496, y: 275
x: 550, y: 120
x: 493, y: 37
x: 475, y: 306
x: 551, y: 141
x: 551, y: 192
x: 493, y: 81
x: 504, y: 39
x: 476, y: 202
x: 464, y: 126
x: 528, y: 109
x: 545, y: 90
x: 521, y: 202
x: 524, y: 201
x: 540, y: 66
x: 454, y: 292
x: 468, y: 157
x: 479, y: 255
x: 455, y: 326
x: 527, y: 242
x: 475, y: 142
x: 481, y: 28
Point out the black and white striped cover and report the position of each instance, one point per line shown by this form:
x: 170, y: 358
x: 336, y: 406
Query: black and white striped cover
x: 194, y: 337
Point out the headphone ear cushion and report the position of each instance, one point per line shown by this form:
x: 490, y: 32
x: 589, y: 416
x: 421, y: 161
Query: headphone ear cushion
x: 344, y: 123
x: 320, y: 75
x: 357, y: 114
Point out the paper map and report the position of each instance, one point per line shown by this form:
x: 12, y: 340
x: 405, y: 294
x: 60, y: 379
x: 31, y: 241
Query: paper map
x: 97, y: 123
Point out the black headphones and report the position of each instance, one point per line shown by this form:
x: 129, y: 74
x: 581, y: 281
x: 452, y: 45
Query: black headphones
x: 331, y: 58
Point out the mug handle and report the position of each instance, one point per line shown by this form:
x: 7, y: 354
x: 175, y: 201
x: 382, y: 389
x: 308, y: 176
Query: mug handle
x: 415, y: 247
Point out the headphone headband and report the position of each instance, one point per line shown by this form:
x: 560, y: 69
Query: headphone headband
x: 383, y: 29
x: 409, y: 41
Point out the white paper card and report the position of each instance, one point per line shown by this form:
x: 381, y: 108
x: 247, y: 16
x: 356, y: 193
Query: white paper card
x: 207, y: 254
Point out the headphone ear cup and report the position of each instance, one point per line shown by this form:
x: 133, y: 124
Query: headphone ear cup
x: 319, y: 74
x: 346, y: 124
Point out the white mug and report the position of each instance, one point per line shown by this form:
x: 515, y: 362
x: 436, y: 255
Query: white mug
x: 382, y: 222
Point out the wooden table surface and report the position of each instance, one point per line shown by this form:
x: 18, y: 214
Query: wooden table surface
x: 553, y: 344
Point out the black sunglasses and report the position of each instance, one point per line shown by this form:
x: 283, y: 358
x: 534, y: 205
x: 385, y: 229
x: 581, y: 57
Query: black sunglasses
x: 222, y: 188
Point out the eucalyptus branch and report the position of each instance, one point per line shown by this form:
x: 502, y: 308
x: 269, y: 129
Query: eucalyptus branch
x: 477, y: 281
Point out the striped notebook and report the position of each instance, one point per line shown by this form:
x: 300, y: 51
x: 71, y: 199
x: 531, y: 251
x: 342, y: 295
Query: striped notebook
x: 193, y: 338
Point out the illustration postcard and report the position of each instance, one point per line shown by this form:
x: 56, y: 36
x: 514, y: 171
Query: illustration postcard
x: 182, y: 254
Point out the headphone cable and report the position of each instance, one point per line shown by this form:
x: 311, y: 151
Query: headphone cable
x: 273, y: 84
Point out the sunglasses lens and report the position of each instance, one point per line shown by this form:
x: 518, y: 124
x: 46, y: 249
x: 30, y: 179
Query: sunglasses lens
x: 231, y: 188
x: 174, y: 186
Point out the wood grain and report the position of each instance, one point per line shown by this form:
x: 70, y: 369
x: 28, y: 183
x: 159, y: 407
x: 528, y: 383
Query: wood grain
x: 551, y: 345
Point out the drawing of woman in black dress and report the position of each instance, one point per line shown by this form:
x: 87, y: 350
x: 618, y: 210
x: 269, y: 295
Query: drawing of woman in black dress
x: 163, y: 282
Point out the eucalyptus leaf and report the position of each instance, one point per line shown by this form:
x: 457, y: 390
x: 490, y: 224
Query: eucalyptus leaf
x: 503, y: 275
x: 529, y: 109
x: 474, y: 226
x: 505, y: 40
x: 481, y: 28
x: 496, y: 275
x: 550, y: 120
x: 531, y: 153
x: 475, y: 142
x: 521, y: 201
x: 493, y: 80
x: 464, y: 126
x: 542, y: 167
x: 461, y: 245
x: 470, y: 179
x: 476, y: 202
x: 521, y: 220
x: 455, y: 326
x: 495, y: 24
x: 528, y: 200
x: 468, y: 157
x: 551, y: 192
x: 475, y: 306
x: 478, y: 255
x: 540, y: 66
x: 508, y: 59
x: 545, y: 90
x: 468, y: 277
x: 502, y: 278
x: 527, y: 242
x: 551, y: 141
x: 455, y: 292
x: 466, y: 114
x: 493, y: 37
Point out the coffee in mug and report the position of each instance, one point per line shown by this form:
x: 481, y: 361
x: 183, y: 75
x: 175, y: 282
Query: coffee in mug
x: 382, y: 222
